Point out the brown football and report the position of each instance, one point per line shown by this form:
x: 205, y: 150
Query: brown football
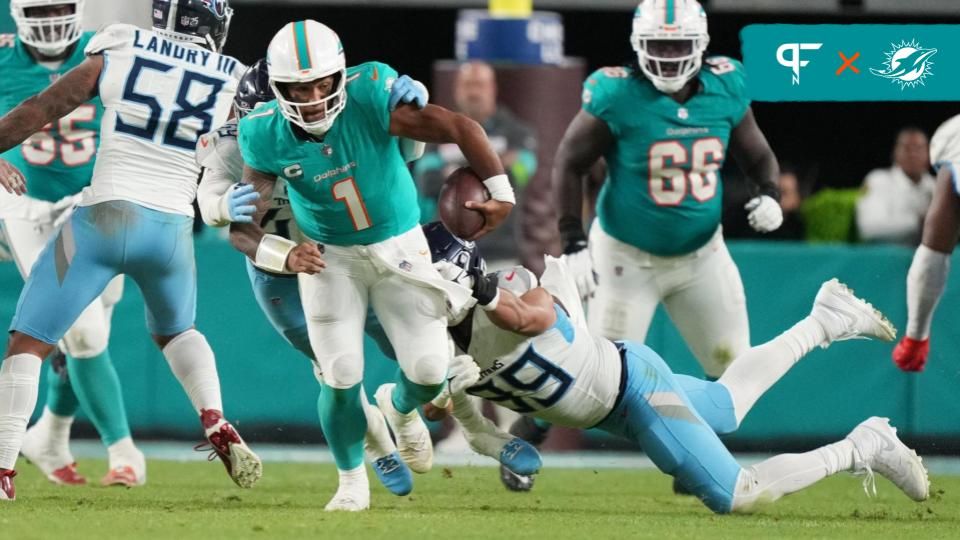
x: 461, y: 186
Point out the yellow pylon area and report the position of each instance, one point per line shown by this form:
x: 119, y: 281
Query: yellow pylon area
x: 511, y: 8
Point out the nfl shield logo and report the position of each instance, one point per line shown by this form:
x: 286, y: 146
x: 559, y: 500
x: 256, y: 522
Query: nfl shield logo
x: 276, y: 301
x: 406, y: 266
x: 683, y: 113
x: 327, y: 150
x: 618, y: 270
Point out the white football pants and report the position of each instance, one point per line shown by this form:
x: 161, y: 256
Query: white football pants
x: 701, y: 291
x: 413, y: 315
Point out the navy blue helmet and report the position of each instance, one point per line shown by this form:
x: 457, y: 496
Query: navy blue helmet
x: 254, y: 88
x: 444, y: 246
x: 194, y: 21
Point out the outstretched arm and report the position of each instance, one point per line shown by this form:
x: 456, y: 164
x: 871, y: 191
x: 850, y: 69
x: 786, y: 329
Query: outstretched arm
x: 529, y: 315
x: 75, y: 88
x: 437, y: 125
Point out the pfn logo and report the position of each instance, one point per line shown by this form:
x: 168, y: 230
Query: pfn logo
x: 793, y: 61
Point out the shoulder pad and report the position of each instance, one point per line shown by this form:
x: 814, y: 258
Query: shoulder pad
x: 218, y: 149
x: 114, y: 36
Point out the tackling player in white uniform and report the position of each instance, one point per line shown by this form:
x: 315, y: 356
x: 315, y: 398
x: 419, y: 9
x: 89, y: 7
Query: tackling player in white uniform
x: 530, y: 350
x: 160, y: 90
x: 931, y: 263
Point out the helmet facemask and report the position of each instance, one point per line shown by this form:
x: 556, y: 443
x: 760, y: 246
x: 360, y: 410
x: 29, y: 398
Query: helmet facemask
x: 669, y: 63
x: 51, y: 36
x: 670, y: 38
x: 315, y: 117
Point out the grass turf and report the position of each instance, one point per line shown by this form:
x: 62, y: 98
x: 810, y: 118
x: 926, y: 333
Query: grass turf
x: 197, y: 500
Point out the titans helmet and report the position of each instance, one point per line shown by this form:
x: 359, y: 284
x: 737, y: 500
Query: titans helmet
x: 254, y: 89
x: 444, y: 246
x: 206, y: 22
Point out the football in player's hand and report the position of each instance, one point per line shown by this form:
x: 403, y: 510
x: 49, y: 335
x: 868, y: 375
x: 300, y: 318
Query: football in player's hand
x: 461, y: 186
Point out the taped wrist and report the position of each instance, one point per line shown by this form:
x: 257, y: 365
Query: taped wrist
x: 500, y: 188
x: 272, y: 253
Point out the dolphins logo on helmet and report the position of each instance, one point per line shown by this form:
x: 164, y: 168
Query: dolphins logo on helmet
x: 907, y: 64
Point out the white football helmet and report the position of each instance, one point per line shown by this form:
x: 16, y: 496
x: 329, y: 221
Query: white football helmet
x: 945, y: 144
x: 49, y: 35
x: 681, y: 21
x: 306, y: 51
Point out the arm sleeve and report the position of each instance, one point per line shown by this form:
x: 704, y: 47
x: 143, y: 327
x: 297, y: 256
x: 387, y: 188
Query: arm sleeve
x: 212, y: 197
x: 925, y: 283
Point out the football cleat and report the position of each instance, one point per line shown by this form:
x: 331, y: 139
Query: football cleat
x: 349, y: 500
x: 7, y: 491
x: 514, y: 481
x: 394, y: 474
x: 382, y: 454
x: 844, y: 316
x: 911, y: 354
x: 55, y: 463
x: 128, y: 468
x: 243, y: 466
x: 520, y: 457
x: 121, y: 476
x: 413, y: 437
x: 878, y: 449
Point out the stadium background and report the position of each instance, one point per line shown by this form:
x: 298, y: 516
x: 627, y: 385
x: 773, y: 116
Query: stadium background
x: 270, y: 391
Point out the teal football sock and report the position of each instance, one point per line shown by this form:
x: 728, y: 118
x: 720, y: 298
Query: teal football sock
x: 409, y: 395
x: 61, y: 400
x: 97, y: 386
x: 344, y: 424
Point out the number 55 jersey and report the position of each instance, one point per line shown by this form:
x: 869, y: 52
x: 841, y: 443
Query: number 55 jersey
x: 58, y: 160
x: 159, y: 96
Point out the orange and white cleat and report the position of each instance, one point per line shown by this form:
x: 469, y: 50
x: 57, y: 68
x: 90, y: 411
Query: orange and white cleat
x: 54, y: 462
x: 243, y: 466
x: 124, y: 476
x: 7, y: 492
x: 67, y: 476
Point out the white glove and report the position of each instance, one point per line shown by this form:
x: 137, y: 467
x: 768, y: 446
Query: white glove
x: 580, y: 265
x: 63, y: 209
x: 765, y: 214
x: 454, y: 273
x: 462, y: 373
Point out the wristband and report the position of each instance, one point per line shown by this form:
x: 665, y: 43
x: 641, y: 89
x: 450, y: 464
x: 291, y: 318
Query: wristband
x: 500, y: 188
x: 272, y: 253
x: 492, y: 305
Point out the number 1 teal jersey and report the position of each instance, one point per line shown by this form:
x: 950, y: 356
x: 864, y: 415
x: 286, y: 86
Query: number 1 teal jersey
x: 57, y: 161
x: 663, y: 192
x: 353, y: 188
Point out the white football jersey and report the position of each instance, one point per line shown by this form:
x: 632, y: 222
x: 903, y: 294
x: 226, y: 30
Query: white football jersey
x: 158, y: 96
x: 565, y: 375
x: 219, y: 152
x: 945, y: 148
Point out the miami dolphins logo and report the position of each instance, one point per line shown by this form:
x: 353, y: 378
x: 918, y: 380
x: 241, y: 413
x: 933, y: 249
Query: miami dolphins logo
x: 907, y: 64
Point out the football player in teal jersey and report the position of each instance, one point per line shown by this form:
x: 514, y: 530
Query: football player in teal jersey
x: 57, y: 164
x: 331, y: 136
x: 665, y: 127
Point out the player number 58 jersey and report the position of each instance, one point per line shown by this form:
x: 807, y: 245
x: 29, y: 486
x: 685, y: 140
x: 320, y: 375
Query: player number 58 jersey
x: 159, y: 96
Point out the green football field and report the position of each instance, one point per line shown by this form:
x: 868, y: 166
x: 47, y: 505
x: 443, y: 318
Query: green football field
x: 197, y: 500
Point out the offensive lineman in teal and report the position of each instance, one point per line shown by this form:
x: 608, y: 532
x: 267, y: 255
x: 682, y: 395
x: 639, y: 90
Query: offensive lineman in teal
x: 665, y: 127
x: 57, y: 164
x: 331, y: 136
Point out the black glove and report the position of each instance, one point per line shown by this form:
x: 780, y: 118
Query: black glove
x: 572, y: 235
x: 485, y: 288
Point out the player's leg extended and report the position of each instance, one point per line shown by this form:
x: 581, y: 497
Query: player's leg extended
x: 47, y: 443
x: 627, y: 292
x: 414, y: 318
x: 158, y: 256
x: 70, y: 273
x: 335, y: 303
x: 708, y: 307
x: 837, y: 315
